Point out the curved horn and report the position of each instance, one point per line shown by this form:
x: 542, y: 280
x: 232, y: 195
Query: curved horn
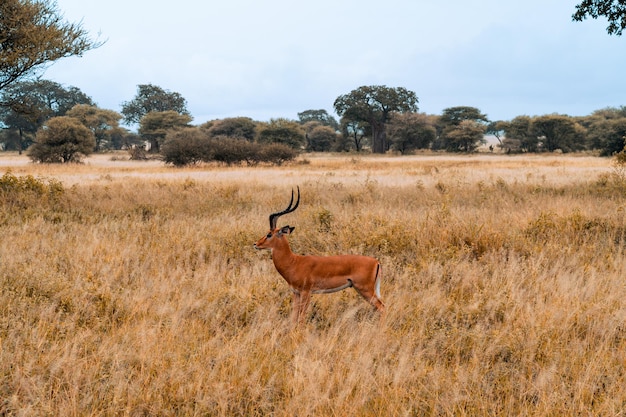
x: 274, y: 216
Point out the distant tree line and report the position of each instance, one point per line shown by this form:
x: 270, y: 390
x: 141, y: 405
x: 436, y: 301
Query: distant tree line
x: 44, y: 117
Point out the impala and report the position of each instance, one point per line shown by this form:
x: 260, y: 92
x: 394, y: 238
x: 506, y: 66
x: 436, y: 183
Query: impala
x: 308, y: 274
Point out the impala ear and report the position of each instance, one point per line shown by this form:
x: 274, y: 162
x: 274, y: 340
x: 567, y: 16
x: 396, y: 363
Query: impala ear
x: 286, y: 230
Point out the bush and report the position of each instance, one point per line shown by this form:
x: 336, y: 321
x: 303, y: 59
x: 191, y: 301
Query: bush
x: 186, y: 147
x: 277, y: 153
x: 191, y: 146
x: 234, y: 151
x: 62, y: 140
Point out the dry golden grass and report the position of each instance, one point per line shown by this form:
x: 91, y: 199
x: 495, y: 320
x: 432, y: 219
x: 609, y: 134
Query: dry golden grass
x: 133, y: 289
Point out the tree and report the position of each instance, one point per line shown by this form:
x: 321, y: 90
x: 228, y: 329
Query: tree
x: 557, y: 131
x: 103, y: 123
x: 374, y: 106
x: 496, y: 129
x: 410, y: 131
x: 283, y: 131
x: 320, y: 116
x: 456, y: 133
x: 353, y: 133
x: 613, y: 10
x: 465, y: 137
x: 155, y: 125
x: 234, y: 127
x: 33, y: 34
x: 320, y: 138
x: 26, y: 105
x: 151, y: 98
x: 519, y: 135
x: 606, y: 130
x: 453, y: 116
x: 62, y: 140
x: 609, y: 136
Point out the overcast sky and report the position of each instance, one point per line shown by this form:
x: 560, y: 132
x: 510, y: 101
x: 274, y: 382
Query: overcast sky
x: 269, y: 59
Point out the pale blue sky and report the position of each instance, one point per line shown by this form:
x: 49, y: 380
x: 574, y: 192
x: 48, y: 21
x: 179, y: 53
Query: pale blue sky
x: 277, y: 58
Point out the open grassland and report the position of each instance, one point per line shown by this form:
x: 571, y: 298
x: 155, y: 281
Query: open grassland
x: 133, y: 288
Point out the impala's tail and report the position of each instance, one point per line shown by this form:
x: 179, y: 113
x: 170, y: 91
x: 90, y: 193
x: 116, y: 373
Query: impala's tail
x: 376, y: 300
x: 379, y: 272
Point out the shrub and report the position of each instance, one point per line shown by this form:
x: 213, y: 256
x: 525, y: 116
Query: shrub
x: 62, y: 140
x: 186, y: 147
x: 234, y: 151
x: 191, y: 146
x: 277, y: 153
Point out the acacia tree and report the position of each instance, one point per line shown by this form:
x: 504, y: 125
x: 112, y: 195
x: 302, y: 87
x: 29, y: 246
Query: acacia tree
x: 155, y: 125
x: 466, y: 136
x: 233, y: 127
x: 374, y: 106
x: 103, y: 123
x: 33, y: 34
x: 152, y: 98
x: 613, y: 10
x: 321, y: 116
x: 606, y: 130
x: 410, y: 131
x: 557, y: 131
x: 456, y: 134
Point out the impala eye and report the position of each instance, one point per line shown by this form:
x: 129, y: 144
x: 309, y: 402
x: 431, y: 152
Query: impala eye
x: 269, y: 235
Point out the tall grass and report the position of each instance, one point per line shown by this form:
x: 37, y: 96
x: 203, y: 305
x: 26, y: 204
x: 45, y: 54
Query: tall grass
x: 144, y: 296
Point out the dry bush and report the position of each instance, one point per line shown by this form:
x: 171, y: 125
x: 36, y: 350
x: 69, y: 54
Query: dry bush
x: 145, y: 297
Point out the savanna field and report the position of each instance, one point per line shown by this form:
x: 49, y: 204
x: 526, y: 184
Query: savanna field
x: 133, y: 288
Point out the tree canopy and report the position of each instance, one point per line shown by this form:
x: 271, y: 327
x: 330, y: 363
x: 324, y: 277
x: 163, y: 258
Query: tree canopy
x: 462, y: 128
x: 320, y: 116
x: 103, y: 123
x: 155, y: 125
x: 284, y: 131
x: 26, y: 105
x: 152, y: 98
x: 410, y: 131
x: 233, y: 127
x: 557, y: 131
x: 613, y: 10
x: 374, y: 106
x: 33, y: 34
x: 320, y: 138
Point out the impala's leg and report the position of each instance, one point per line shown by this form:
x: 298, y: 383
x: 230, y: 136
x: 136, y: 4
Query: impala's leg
x: 295, y: 307
x: 372, y: 292
x: 305, y: 299
x: 373, y: 299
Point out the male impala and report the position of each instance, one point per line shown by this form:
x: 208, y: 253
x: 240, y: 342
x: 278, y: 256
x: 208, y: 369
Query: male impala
x: 309, y: 274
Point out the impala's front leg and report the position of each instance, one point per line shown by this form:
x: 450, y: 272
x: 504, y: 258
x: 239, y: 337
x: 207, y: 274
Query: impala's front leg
x: 301, y: 300
x: 295, y: 306
x: 305, y: 299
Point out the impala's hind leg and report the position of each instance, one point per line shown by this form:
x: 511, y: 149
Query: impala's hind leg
x: 372, y: 293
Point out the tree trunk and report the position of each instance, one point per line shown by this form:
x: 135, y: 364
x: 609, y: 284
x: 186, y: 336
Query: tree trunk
x: 379, y: 139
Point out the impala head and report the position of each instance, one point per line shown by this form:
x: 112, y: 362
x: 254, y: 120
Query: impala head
x: 269, y: 241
